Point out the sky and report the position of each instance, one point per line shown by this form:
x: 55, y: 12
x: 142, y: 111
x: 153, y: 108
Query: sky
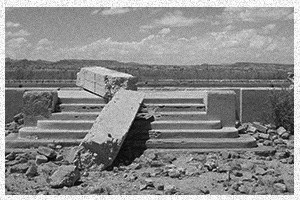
x: 156, y: 35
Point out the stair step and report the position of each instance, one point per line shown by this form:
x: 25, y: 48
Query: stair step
x: 244, y: 141
x: 66, y: 100
x: 75, y: 116
x: 188, y: 115
x: 35, y: 143
x: 225, y: 132
x: 162, y: 100
x: 34, y: 132
x: 81, y: 107
x: 176, y: 107
x: 211, y: 124
x: 65, y: 124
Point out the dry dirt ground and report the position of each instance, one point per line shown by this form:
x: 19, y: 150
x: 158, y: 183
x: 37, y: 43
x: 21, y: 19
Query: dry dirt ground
x: 266, y: 170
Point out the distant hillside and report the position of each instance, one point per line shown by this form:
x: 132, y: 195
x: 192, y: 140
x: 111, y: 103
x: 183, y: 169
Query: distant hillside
x: 67, y: 69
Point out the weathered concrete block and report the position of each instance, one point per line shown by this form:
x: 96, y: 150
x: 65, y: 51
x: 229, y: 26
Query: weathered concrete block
x: 112, y: 125
x: 222, y: 104
x: 38, y: 105
x: 105, y: 82
x: 66, y: 175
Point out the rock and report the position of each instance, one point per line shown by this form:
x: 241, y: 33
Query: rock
x: 260, y: 127
x: 224, y: 168
x: 147, y: 183
x: 280, y: 131
x: 237, y: 173
x: 135, y: 166
x: 156, y: 163
x: 47, y: 168
x: 46, y: 151
x: 225, y: 154
x: 73, y: 153
x: 170, y: 189
x: 210, y: 165
x: 263, y: 136
x: 51, y: 145
x: 280, y: 187
x: 243, y: 189
x: 272, y: 132
x: 251, y: 129
x: 32, y: 170
x: 282, y: 155
x: 40, y: 159
x: 274, y: 137
x: 11, y: 156
x: 152, y: 156
x: 18, y: 117
x: 255, y: 135
x: 168, y: 158
x: 160, y: 187
x: 65, y: 175
x: 265, y: 152
x: 259, y: 171
x: 174, y: 173
x: 205, y: 191
x: 146, y: 174
x: 247, y: 176
x: 59, y: 157
x: 279, y: 141
x: 132, y: 177
x: 285, y: 135
x: 58, y: 146
x: 267, y: 143
x: 270, y: 126
x: 242, y: 129
x: 19, y: 168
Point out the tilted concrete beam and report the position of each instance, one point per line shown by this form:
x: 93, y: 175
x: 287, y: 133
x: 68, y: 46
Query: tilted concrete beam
x: 112, y: 125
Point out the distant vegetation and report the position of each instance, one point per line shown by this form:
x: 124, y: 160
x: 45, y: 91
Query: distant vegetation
x: 67, y: 69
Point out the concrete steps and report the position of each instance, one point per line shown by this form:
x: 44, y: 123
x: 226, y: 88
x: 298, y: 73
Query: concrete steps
x: 182, y: 124
x: 42, y: 133
x: 188, y: 115
x: 65, y: 124
x: 176, y: 107
x: 243, y: 141
x: 75, y: 116
x: 81, y: 107
x: 225, y: 132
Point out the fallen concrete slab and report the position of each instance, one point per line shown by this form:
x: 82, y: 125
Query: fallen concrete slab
x: 112, y: 125
x: 105, y: 82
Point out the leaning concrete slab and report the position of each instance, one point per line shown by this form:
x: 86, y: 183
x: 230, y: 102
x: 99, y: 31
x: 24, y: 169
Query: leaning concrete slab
x: 112, y: 125
x: 105, y: 82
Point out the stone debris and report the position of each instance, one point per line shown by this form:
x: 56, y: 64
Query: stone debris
x: 46, y: 151
x: 19, y: 168
x: 41, y: 159
x: 170, y: 189
x: 65, y: 175
x: 280, y: 131
x: 32, y: 170
x: 259, y: 127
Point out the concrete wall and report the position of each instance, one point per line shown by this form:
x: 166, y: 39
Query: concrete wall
x: 14, y: 101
